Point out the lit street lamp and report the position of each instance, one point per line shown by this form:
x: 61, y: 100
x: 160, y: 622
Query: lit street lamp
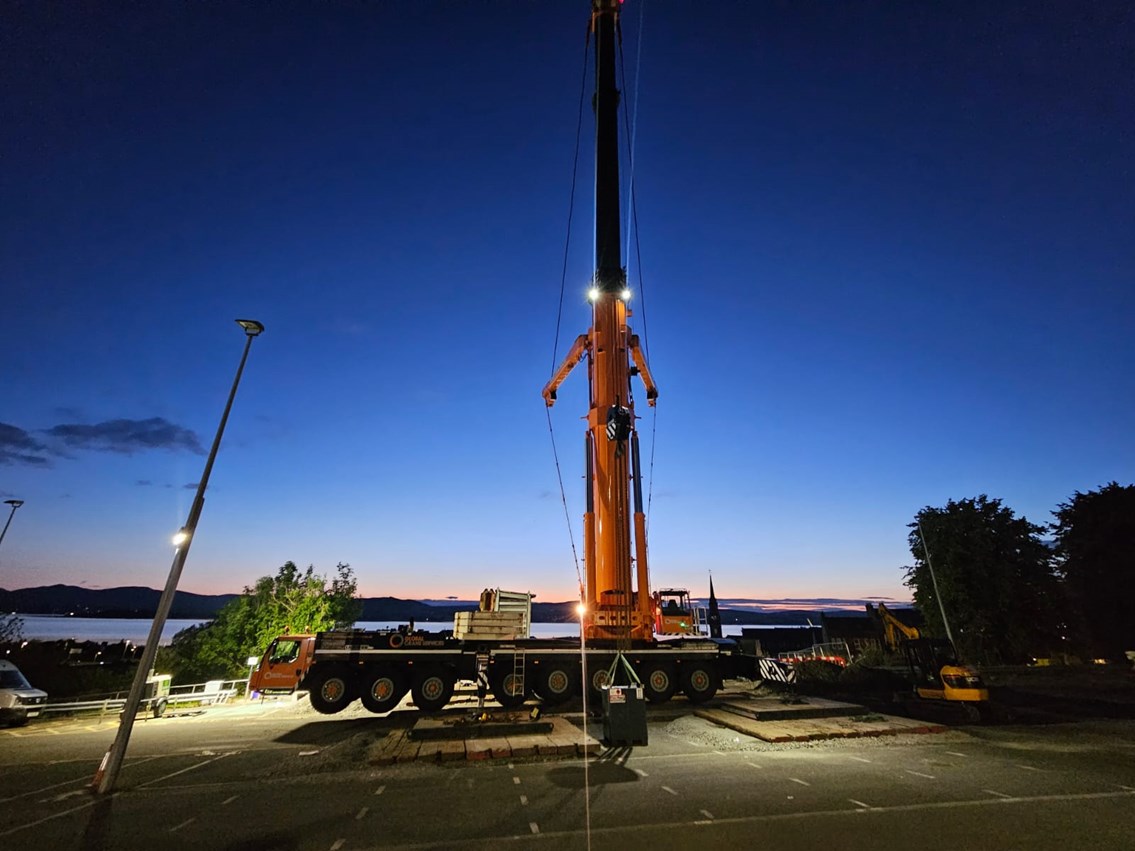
x: 15, y: 503
x: 111, y: 763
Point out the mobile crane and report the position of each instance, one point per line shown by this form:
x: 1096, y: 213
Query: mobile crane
x: 933, y: 663
x: 618, y: 611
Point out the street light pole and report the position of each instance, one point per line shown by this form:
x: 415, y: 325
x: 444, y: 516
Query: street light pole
x: 112, y: 761
x: 934, y: 580
x: 15, y: 503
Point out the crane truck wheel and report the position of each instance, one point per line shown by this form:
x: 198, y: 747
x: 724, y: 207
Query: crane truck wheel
x: 508, y: 688
x: 699, y: 682
x: 598, y: 677
x: 432, y: 689
x: 382, y: 689
x: 556, y: 684
x: 660, y: 681
x: 331, y: 690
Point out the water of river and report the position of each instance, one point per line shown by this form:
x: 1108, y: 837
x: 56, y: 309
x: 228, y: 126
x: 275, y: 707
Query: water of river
x: 49, y: 628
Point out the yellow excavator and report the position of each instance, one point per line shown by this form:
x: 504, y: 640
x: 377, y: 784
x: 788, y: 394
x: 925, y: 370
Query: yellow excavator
x: 933, y: 663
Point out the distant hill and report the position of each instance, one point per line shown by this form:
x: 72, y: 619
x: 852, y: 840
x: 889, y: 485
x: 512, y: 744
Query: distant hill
x: 135, y: 602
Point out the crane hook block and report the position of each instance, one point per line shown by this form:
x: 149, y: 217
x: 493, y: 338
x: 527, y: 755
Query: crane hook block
x: 618, y: 423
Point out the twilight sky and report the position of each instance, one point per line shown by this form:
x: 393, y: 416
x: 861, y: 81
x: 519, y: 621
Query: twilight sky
x: 886, y: 261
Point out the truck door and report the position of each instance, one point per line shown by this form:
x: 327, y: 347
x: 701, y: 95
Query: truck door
x: 283, y: 665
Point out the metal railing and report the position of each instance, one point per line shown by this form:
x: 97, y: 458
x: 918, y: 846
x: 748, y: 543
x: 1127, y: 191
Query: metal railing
x: 208, y: 693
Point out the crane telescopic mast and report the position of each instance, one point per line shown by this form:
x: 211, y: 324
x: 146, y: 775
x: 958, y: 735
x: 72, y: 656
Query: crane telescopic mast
x: 616, y: 606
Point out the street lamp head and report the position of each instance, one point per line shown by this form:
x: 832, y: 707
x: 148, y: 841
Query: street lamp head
x: 251, y: 326
x: 180, y: 537
x: 15, y: 503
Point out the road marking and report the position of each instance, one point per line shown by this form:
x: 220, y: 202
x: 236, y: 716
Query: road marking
x: 62, y: 797
x: 707, y: 814
x: 516, y: 780
x: 640, y: 772
x: 337, y: 844
x: 753, y: 764
x: 668, y: 789
x: 309, y: 753
x: 995, y: 792
x: 1128, y: 788
x: 510, y: 766
x: 229, y: 800
x: 182, y: 771
x: 535, y: 828
x: 524, y: 800
x: 954, y: 753
x: 719, y: 753
x: 361, y: 813
x: 1028, y: 767
x: 859, y: 759
x: 48, y: 818
x: 920, y: 774
x: 801, y: 782
x: 380, y: 790
x: 185, y: 823
x: 860, y: 804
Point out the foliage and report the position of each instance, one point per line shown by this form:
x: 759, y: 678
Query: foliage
x: 1095, y: 540
x: 291, y: 601
x: 995, y: 576
x: 11, y: 628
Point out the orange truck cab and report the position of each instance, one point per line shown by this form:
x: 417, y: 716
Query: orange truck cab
x: 284, y: 665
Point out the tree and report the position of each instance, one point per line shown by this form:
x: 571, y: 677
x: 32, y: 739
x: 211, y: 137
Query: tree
x: 11, y: 628
x: 995, y: 577
x: 1095, y: 552
x: 291, y: 601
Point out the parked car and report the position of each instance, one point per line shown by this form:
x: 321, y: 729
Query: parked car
x: 18, y: 700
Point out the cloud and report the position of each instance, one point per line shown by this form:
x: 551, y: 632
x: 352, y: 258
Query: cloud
x: 127, y: 436
x: 143, y: 483
x: 19, y: 447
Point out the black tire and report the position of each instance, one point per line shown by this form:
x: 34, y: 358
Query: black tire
x: 508, y: 687
x: 382, y: 689
x: 331, y: 689
x: 699, y: 682
x: 432, y: 689
x: 659, y: 681
x: 556, y: 684
x: 597, y: 675
x: 159, y: 707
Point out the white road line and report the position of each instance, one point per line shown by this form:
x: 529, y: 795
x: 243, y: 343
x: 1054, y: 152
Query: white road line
x: 707, y: 814
x: 380, y: 790
x: 753, y: 764
x: 668, y: 789
x: 516, y: 780
x: 535, y: 828
x: 801, y: 782
x: 229, y: 800
x: 859, y: 759
x: 640, y: 772
x: 996, y: 793
x: 337, y: 844
x: 920, y: 774
x: 185, y: 823
x: 10, y: 831
x: 1128, y: 788
x: 860, y: 804
x: 1029, y: 767
x: 524, y: 800
x: 719, y: 753
x: 83, y: 779
x: 182, y: 771
x: 510, y: 766
x: 954, y: 753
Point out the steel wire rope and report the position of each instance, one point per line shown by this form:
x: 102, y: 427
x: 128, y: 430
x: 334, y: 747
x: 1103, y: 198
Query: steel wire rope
x: 552, y: 435
x: 631, y: 127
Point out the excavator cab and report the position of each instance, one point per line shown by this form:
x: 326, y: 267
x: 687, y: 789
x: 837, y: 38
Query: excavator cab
x: 938, y: 675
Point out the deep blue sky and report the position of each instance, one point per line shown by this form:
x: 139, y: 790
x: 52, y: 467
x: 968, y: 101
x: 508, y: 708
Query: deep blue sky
x: 887, y: 261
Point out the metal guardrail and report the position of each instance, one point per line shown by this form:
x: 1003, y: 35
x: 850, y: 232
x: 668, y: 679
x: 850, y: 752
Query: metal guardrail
x: 209, y: 693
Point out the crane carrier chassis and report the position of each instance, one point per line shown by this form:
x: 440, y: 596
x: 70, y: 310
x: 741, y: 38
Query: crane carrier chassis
x: 380, y: 666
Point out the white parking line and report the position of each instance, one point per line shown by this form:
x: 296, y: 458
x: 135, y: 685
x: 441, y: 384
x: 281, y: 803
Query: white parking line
x: 178, y: 827
x: 996, y: 793
x: 859, y: 759
x: 801, y: 782
x: 719, y: 753
x: 920, y: 774
x: 361, y: 813
x: 337, y: 844
x: 229, y: 800
x: 640, y: 772
x: 954, y: 753
x: 668, y: 789
x: 10, y: 831
x: 182, y: 771
x: 1128, y: 788
x: 380, y: 790
x: 516, y: 780
x: 754, y: 765
x: 860, y: 804
x: 1029, y: 767
x: 535, y: 828
x: 707, y: 814
x: 524, y: 800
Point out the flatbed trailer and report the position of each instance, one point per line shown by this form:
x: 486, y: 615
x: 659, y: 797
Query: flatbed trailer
x: 380, y: 666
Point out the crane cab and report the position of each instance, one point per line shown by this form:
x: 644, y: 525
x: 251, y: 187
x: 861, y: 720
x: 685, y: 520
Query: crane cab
x: 675, y: 614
